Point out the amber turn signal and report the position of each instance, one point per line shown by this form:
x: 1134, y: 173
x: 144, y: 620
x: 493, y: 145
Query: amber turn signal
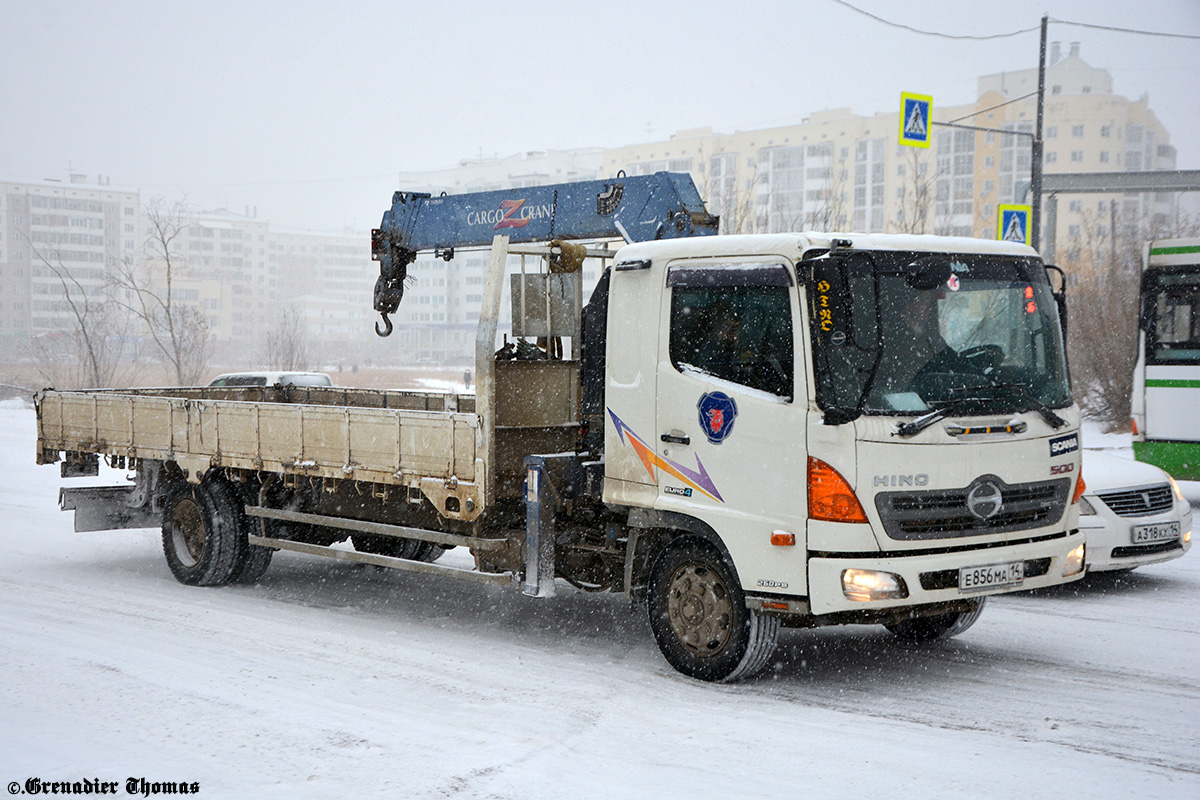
x: 1080, y: 488
x: 830, y: 497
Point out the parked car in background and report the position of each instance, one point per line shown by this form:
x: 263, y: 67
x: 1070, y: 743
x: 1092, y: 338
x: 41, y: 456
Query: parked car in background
x: 1132, y: 513
x: 272, y: 379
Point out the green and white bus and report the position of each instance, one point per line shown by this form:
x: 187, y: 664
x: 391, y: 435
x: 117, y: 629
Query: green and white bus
x: 1166, y: 381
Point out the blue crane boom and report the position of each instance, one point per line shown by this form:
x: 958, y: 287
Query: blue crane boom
x: 663, y: 205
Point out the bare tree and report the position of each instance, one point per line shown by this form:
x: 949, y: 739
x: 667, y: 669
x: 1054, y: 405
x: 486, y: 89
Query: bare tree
x: 1104, y: 265
x: 917, y: 203
x: 91, y: 351
x: 287, y: 341
x: 831, y: 212
x: 150, y: 289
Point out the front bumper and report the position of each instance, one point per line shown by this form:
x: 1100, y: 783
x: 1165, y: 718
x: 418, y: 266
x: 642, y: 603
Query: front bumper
x: 933, y: 578
x: 1110, y: 538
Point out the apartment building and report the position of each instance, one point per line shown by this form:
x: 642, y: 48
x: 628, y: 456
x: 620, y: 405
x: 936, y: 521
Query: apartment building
x: 837, y: 170
x: 53, y: 230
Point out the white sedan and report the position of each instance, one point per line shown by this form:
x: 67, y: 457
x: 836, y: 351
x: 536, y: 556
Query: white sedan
x: 1132, y: 513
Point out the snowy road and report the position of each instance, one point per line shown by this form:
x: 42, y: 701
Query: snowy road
x: 334, y: 680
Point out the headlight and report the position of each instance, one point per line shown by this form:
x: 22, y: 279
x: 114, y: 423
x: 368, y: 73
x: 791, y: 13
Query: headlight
x: 1074, y: 562
x: 1177, y: 490
x: 863, y: 585
x: 1085, y: 508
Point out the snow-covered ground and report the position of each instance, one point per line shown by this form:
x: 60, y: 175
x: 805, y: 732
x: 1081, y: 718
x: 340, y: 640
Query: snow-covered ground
x: 333, y: 680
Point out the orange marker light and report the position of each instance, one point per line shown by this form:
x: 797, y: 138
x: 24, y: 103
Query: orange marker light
x: 830, y: 497
x: 783, y: 539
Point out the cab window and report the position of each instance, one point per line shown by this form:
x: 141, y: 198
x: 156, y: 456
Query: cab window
x: 734, y: 324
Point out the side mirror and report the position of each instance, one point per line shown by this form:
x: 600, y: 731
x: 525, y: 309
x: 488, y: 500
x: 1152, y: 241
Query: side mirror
x: 1060, y: 295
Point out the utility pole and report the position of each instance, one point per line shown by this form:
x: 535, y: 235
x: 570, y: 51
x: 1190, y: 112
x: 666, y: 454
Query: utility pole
x: 1035, y: 182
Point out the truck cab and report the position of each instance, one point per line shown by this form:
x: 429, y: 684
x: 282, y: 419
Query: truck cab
x: 856, y: 423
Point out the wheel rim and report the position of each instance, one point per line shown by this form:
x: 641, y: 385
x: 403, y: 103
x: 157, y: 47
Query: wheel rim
x: 187, y: 532
x: 699, y: 609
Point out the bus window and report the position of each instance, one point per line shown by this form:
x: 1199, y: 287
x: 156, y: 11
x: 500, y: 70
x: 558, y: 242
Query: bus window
x: 1173, y: 331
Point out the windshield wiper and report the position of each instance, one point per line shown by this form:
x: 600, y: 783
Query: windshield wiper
x: 1017, y: 389
x: 913, y: 427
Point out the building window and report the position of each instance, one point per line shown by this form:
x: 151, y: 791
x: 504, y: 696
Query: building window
x: 1077, y: 131
x: 1076, y: 156
x: 1105, y: 131
x: 1051, y: 157
x: 1076, y: 206
x: 1056, y: 90
x: 1073, y: 231
x: 1052, y: 132
x: 1103, y: 156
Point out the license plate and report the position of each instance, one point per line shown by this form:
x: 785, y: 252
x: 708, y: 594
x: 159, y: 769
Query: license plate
x: 991, y: 576
x: 1161, y: 532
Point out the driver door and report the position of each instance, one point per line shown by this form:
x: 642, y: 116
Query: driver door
x: 730, y: 435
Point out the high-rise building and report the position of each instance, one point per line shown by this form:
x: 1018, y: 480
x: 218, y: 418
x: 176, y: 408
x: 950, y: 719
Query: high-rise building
x: 59, y: 233
x: 836, y: 170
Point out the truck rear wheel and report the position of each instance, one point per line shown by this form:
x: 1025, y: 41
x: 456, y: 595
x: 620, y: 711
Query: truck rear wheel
x: 200, y: 534
x: 940, y: 626
x: 699, y: 616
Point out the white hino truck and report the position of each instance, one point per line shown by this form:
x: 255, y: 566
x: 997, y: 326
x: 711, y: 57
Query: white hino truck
x: 745, y: 433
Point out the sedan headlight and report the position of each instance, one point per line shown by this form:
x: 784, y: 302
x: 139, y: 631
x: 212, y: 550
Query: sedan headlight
x: 1085, y: 508
x: 1176, y: 489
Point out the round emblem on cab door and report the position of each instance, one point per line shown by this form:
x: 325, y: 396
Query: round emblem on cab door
x: 717, y: 413
x: 985, y: 500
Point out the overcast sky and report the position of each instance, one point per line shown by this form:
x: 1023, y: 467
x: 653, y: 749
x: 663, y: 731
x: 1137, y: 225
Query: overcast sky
x: 308, y: 110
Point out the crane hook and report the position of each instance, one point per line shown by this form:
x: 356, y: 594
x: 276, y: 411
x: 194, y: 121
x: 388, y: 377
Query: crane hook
x: 387, y: 330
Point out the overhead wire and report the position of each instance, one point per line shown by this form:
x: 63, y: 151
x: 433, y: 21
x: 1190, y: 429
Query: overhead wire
x: 1020, y: 32
x: 938, y: 34
x: 1123, y: 30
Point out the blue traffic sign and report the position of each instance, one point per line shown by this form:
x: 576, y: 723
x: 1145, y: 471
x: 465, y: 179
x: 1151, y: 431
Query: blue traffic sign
x: 1013, y: 224
x: 916, y: 112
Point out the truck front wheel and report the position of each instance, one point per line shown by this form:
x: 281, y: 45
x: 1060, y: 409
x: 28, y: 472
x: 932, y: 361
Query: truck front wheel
x: 201, y: 535
x: 699, y: 616
x: 940, y: 626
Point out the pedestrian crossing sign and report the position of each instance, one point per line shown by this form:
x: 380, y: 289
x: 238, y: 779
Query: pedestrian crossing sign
x: 915, y: 119
x: 1013, y: 224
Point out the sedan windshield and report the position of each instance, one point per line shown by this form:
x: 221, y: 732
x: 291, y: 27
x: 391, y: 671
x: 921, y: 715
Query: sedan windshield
x: 907, y: 333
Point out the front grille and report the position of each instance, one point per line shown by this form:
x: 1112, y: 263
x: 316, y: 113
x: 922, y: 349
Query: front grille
x: 1146, y: 549
x: 944, y: 513
x: 1140, y: 502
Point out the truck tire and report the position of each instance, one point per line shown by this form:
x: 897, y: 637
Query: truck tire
x: 201, y: 534
x: 941, y: 626
x: 252, y: 560
x: 699, y: 616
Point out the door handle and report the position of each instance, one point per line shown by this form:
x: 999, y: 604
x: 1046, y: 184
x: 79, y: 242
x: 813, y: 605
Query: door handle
x: 666, y: 437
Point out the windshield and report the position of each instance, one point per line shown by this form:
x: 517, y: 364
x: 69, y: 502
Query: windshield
x: 1171, y: 316
x: 907, y: 333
